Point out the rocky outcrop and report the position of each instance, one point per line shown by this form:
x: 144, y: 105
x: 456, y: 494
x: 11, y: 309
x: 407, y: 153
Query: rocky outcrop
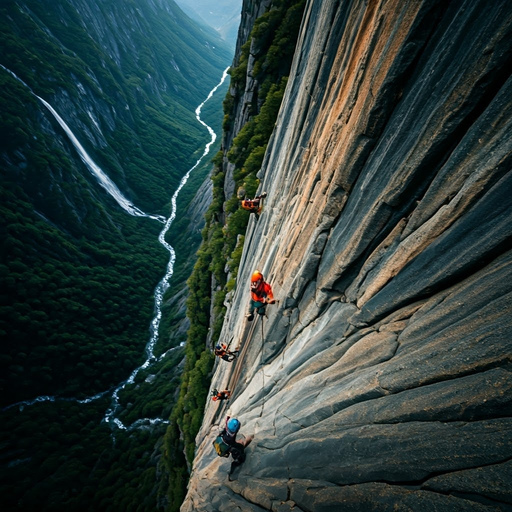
x: 243, y: 100
x: 382, y: 379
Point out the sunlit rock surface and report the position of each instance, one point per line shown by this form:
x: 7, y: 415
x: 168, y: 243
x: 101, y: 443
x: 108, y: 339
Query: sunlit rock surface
x: 383, y: 379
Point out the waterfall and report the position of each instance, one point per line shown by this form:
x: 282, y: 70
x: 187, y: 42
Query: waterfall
x: 162, y: 286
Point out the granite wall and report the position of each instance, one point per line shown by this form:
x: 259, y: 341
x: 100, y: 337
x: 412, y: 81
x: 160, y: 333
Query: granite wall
x: 382, y: 378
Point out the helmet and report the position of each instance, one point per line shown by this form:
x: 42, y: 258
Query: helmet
x: 218, y: 347
x: 256, y: 276
x: 256, y: 280
x: 233, y: 426
x: 215, y: 392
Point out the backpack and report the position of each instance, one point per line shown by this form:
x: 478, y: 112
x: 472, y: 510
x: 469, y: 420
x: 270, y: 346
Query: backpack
x: 221, y: 447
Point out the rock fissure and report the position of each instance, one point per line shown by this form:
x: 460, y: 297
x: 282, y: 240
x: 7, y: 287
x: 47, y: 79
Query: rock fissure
x: 477, y: 370
x: 420, y: 483
x: 240, y: 493
x: 479, y: 498
x: 295, y: 422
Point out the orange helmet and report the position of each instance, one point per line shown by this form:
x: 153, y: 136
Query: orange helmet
x: 256, y: 276
x: 256, y: 279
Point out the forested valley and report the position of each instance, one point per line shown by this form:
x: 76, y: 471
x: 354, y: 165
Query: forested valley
x: 77, y: 272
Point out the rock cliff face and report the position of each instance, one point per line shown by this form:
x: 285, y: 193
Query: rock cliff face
x: 382, y: 379
x: 251, y: 11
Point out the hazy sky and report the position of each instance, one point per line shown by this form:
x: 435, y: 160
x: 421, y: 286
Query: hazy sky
x: 222, y: 15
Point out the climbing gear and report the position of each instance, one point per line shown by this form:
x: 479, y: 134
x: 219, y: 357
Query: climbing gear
x: 220, y: 349
x: 238, y: 460
x: 256, y: 276
x: 233, y: 426
x: 229, y: 357
x: 247, y: 204
x: 221, y: 447
x: 253, y: 205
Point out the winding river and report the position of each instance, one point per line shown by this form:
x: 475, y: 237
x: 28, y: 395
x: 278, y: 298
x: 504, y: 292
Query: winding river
x: 163, y: 285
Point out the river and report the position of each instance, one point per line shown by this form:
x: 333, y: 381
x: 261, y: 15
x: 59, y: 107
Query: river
x: 163, y: 285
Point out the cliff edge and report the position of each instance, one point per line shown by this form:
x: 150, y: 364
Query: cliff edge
x: 382, y: 378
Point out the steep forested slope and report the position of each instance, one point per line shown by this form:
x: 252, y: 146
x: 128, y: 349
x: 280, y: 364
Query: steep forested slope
x: 78, y: 272
x: 129, y: 100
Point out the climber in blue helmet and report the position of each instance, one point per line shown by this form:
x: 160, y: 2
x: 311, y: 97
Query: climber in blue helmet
x: 236, y: 449
x: 221, y: 350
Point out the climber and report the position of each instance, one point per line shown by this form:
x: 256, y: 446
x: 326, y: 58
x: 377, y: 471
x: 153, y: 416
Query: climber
x: 221, y: 350
x: 261, y: 295
x: 220, y: 395
x: 226, y: 443
x: 254, y: 205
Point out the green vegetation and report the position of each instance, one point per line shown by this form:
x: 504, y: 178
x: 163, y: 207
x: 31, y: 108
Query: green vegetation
x: 143, y: 90
x: 77, y: 273
x: 73, y: 311
x: 275, y: 34
x: 63, y: 457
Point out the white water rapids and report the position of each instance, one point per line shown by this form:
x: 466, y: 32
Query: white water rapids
x: 161, y: 288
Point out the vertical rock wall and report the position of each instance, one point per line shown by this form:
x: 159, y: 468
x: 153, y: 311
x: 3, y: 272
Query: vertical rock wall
x: 251, y: 11
x: 382, y: 379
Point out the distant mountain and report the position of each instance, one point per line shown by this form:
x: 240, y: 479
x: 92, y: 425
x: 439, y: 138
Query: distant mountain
x: 223, y: 15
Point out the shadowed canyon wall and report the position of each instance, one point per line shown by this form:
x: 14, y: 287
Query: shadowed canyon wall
x: 382, y: 378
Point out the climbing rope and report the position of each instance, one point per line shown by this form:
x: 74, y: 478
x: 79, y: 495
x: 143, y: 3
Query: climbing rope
x: 230, y: 341
x: 238, y: 368
x: 235, y: 375
x: 262, y: 368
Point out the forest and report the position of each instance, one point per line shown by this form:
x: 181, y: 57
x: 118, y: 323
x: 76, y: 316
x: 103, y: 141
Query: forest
x: 78, y: 273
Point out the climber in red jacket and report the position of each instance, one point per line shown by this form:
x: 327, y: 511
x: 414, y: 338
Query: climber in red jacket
x: 254, y: 205
x: 221, y: 395
x: 261, y: 295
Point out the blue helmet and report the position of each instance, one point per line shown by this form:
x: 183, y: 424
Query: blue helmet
x: 233, y: 426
